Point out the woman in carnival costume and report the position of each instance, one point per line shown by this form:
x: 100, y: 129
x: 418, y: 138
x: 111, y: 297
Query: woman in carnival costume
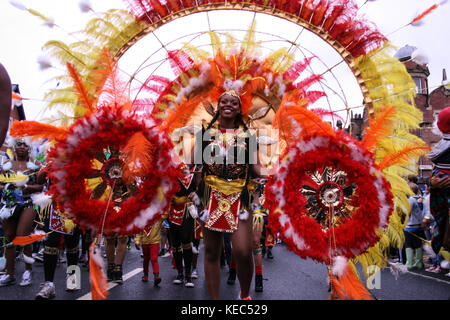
x: 181, y: 228
x: 224, y: 189
x: 18, y: 183
x: 58, y: 226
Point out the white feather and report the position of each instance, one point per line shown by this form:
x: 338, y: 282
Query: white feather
x: 420, y: 57
x: 95, y: 255
x: 339, y: 266
x: 5, y: 212
x: 397, y: 269
x: 44, y: 63
x: 27, y: 259
x: 85, y: 5
x: 41, y: 199
x: 50, y: 22
x: 7, y: 166
x: 18, y: 5
x: 21, y: 183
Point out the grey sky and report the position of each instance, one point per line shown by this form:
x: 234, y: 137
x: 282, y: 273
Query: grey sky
x: 23, y: 35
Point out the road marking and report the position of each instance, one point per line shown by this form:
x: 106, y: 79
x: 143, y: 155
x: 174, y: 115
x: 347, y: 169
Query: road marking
x: 427, y: 277
x: 88, y: 296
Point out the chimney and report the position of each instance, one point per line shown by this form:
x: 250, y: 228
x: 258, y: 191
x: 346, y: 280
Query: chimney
x: 444, y: 76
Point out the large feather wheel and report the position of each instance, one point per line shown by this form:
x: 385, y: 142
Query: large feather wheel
x: 131, y: 161
x: 343, y: 199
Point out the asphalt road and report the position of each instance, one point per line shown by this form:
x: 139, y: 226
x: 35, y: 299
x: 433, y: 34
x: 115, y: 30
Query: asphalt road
x: 286, y: 277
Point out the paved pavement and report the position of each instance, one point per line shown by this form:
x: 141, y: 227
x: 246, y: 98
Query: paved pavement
x: 286, y: 277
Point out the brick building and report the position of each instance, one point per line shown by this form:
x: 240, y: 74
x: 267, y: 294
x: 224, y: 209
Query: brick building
x: 429, y: 100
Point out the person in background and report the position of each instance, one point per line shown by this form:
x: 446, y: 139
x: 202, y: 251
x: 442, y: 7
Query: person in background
x: 414, y: 231
x: 149, y: 240
x: 116, y: 249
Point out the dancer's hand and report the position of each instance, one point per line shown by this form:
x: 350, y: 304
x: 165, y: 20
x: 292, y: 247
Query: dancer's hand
x: 440, y: 181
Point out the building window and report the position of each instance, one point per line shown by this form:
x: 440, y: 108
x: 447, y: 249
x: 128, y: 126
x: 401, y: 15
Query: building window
x: 421, y: 87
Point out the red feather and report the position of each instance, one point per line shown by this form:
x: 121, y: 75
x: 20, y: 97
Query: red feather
x: 313, y: 96
x: 324, y: 113
x: 174, y: 5
x: 296, y: 69
x: 306, y: 83
x: 162, y: 10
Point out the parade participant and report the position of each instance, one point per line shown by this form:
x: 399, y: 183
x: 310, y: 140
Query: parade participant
x: 116, y: 249
x: 269, y: 241
x: 224, y: 190
x: 259, y: 215
x: 59, y: 228
x: 182, y: 229
x: 150, y: 239
x: 440, y: 182
x: 5, y: 102
x: 17, y: 212
x: 195, y: 247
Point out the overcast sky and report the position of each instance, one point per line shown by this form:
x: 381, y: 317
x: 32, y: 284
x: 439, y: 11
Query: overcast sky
x: 23, y: 35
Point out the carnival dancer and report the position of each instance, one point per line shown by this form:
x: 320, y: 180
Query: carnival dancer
x: 182, y: 229
x: 116, y: 249
x: 440, y: 184
x: 224, y: 190
x: 150, y: 239
x: 198, y: 235
x: 269, y: 241
x: 259, y: 216
x: 58, y: 228
x: 17, y: 212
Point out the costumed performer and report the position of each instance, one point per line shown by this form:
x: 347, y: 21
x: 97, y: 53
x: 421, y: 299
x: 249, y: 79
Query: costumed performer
x: 223, y: 188
x: 17, y: 211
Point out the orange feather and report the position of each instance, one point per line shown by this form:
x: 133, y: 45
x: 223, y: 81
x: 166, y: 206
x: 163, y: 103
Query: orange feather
x: 423, y: 14
x: 349, y: 287
x: 84, y: 97
x: 137, y: 157
x: 378, y: 128
x: 403, y: 155
x: 37, y: 130
x: 96, y: 274
x: 24, y: 240
x: 308, y: 122
x: 180, y: 117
